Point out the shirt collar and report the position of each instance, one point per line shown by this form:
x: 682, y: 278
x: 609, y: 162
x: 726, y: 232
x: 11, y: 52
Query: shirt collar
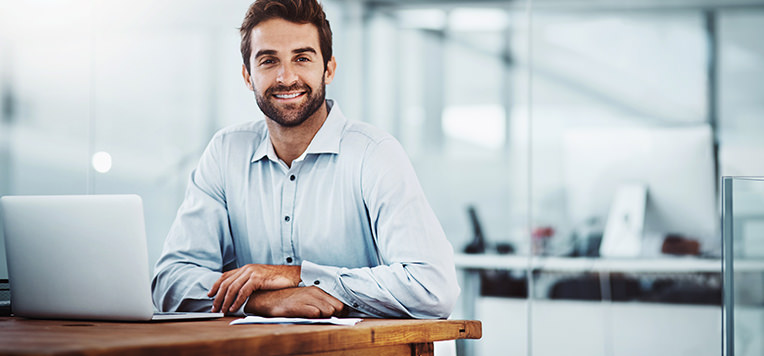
x: 265, y: 148
x: 326, y: 140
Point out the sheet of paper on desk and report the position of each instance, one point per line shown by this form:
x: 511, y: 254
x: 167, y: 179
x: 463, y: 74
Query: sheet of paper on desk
x: 262, y: 320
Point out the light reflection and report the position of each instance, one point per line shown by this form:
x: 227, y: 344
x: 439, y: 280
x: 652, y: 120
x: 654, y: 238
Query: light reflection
x: 101, y: 162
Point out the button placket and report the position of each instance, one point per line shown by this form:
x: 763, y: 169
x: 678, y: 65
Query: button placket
x: 288, y: 197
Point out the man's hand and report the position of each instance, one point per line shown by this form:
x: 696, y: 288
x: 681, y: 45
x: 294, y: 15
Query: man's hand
x: 235, y: 286
x: 305, y: 302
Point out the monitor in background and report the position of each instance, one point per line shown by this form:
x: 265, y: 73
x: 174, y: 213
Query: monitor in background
x: 675, y: 164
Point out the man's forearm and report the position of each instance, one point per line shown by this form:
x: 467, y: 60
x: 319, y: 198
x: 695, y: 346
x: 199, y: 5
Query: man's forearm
x: 398, y: 290
x: 308, y: 302
x: 182, y: 287
x: 256, y: 303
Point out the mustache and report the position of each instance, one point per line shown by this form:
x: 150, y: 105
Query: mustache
x: 283, y: 88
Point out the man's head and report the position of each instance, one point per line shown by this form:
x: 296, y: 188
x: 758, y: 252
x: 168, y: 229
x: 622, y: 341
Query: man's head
x: 286, y: 46
x: 297, y: 11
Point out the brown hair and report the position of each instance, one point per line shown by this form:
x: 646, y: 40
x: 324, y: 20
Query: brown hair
x: 297, y: 11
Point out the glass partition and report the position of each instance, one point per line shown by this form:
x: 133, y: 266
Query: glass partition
x: 633, y: 119
x: 449, y: 79
x: 743, y: 212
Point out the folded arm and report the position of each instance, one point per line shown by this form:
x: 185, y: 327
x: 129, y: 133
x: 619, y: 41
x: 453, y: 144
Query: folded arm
x: 199, y: 244
x: 416, y: 277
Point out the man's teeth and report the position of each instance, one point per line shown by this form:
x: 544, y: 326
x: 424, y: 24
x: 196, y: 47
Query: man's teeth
x: 287, y: 96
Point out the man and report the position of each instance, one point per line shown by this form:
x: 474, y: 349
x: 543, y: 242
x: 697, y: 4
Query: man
x: 306, y: 213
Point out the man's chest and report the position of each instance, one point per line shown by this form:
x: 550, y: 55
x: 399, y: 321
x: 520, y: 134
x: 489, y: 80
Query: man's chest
x: 314, y: 211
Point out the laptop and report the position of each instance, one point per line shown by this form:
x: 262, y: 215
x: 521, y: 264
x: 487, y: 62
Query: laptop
x: 80, y: 257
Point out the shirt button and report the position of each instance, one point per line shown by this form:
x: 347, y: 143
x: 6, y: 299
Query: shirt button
x: 355, y: 305
x: 286, y: 218
x: 292, y: 177
x: 316, y: 282
x: 289, y: 259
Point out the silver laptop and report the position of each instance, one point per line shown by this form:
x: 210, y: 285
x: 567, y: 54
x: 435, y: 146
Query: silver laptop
x: 80, y: 257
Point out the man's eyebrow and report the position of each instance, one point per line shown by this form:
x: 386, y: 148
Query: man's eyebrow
x: 265, y: 52
x: 304, y: 50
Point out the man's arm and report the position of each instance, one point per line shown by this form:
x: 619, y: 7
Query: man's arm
x: 199, y: 243
x: 306, y: 302
x: 416, y: 277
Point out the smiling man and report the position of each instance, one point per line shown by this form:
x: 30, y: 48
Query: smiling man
x: 306, y: 213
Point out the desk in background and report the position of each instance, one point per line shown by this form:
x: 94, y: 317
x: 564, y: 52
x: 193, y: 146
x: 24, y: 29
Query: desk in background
x: 216, y: 337
x: 471, y: 266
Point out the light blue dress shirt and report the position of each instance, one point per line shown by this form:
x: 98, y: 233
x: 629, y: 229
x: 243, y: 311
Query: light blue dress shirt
x: 350, y: 211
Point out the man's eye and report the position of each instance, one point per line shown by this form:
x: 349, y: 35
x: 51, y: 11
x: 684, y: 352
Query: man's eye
x: 267, y: 61
x: 303, y: 59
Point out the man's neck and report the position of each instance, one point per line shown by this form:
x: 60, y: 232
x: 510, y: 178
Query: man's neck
x: 290, y: 142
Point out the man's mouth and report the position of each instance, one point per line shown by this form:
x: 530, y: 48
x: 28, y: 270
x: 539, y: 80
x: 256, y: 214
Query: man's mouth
x: 288, y: 95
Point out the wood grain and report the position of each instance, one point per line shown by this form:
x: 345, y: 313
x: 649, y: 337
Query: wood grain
x: 26, y: 336
x: 425, y: 349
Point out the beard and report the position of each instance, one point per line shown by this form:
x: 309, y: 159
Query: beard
x: 291, y: 115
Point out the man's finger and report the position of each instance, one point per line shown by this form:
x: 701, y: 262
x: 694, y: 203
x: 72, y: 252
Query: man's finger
x: 311, y: 311
x: 220, y: 296
x: 336, y: 305
x: 323, y: 302
x: 334, y: 302
x: 326, y: 309
x: 244, y: 293
x: 216, y: 286
x: 253, y: 283
x: 233, y: 292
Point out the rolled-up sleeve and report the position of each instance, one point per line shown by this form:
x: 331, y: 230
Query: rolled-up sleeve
x: 416, y: 277
x: 199, y: 245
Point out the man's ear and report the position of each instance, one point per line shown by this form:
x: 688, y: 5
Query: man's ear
x: 331, y: 67
x: 247, y: 78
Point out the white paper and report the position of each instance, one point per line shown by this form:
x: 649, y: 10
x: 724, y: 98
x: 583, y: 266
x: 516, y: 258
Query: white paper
x: 262, y: 320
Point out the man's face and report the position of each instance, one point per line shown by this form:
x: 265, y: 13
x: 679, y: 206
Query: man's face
x: 287, y: 71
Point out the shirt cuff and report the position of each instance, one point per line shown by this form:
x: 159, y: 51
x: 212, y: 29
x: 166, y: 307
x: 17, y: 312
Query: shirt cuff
x: 327, y: 278
x: 324, y: 277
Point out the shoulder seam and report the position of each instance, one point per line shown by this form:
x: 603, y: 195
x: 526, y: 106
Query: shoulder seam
x: 373, y: 138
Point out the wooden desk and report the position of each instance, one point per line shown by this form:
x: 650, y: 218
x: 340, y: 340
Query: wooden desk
x: 216, y: 337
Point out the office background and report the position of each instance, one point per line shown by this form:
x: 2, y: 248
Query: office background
x: 515, y: 108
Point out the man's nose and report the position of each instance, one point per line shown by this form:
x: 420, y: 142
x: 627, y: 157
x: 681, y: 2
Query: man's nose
x: 286, y: 75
